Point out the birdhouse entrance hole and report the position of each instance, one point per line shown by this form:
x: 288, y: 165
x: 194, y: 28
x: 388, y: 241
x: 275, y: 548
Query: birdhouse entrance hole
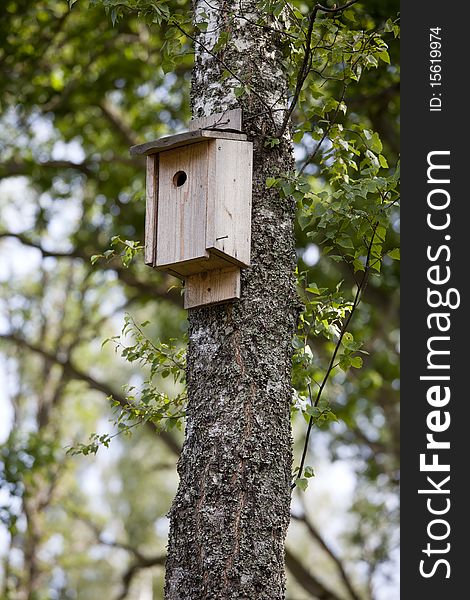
x: 179, y: 178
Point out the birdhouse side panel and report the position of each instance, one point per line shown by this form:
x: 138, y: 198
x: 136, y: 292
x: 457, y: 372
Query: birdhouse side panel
x: 151, y: 186
x: 182, y: 205
x: 229, y: 206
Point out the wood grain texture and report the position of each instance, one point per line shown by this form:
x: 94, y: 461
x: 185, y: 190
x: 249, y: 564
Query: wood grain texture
x: 183, y: 139
x: 228, y: 231
x: 230, y: 119
x: 151, y: 209
x: 181, y: 227
x: 212, y: 287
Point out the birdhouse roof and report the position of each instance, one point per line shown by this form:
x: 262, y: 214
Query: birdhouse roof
x: 184, y: 139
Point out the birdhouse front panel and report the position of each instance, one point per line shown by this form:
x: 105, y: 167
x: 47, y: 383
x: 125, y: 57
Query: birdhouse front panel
x: 182, y: 207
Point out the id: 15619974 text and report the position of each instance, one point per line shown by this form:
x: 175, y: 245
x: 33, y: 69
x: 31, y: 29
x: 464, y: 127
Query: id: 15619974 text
x: 435, y: 68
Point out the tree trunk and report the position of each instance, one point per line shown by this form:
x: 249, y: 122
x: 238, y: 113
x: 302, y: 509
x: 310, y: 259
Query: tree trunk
x: 231, y: 512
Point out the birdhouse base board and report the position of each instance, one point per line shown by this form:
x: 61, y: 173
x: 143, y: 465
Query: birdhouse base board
x: 214, y: 261
x: 212, y: 287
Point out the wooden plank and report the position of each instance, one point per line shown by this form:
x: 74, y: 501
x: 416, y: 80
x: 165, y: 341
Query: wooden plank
x: 183, y: 139
x: 185, y: 268
x: 230, y: 119
x: 181, y: 227
x: 228, y: 230
x: 212, y: 287
x: 151, y: 185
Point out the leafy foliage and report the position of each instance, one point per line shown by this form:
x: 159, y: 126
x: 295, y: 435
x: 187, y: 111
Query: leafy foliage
x: 129, y: 250
x: 148, y: 404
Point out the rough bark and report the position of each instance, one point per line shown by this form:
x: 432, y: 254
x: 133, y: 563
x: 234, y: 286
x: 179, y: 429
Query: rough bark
x: 231, y: 512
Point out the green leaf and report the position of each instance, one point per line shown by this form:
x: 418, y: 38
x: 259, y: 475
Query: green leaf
x: 312, y: 288
x: 383, y: 161
x: 271, y: 182
x: 312, y: 411
x: 358, y: 265
x: 221, y: 42
x: 383, y: 54
x: 380, y: 234
x: 57, y: 80
x: 376, y: 265
x: 348, y: 340
x: 309, y: 472
x: 301, y: 483
x: 375, y: 143
x: 331, y: 417
x: 345, y: 241
x: 298, y: 342
x: 304, y: 220
x: 356, y: 362
x: 287, y: 188
x: 395, y: 254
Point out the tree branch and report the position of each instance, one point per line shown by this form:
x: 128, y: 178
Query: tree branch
x: 140, y: 560
x: 307, y: 61
x: 325, y: 133
x: 13, y: 168
x: 134, y: 568
x: 126, y: 275
x: 116, y: 118
x: 306, y: 580
x: 319, y: 539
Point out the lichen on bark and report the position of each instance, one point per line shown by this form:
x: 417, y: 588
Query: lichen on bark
x: 229, y: 519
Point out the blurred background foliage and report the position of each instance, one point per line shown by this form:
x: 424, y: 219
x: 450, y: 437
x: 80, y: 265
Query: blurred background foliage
x: 75, y: 93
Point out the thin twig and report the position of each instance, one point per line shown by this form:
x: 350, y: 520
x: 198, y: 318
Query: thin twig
x: 307, y: 61
x: 335, y: 116
x: 325, y: 134
x: 357, y: 299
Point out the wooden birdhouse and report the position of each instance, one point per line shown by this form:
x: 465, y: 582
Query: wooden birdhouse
x: 198, y: 209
